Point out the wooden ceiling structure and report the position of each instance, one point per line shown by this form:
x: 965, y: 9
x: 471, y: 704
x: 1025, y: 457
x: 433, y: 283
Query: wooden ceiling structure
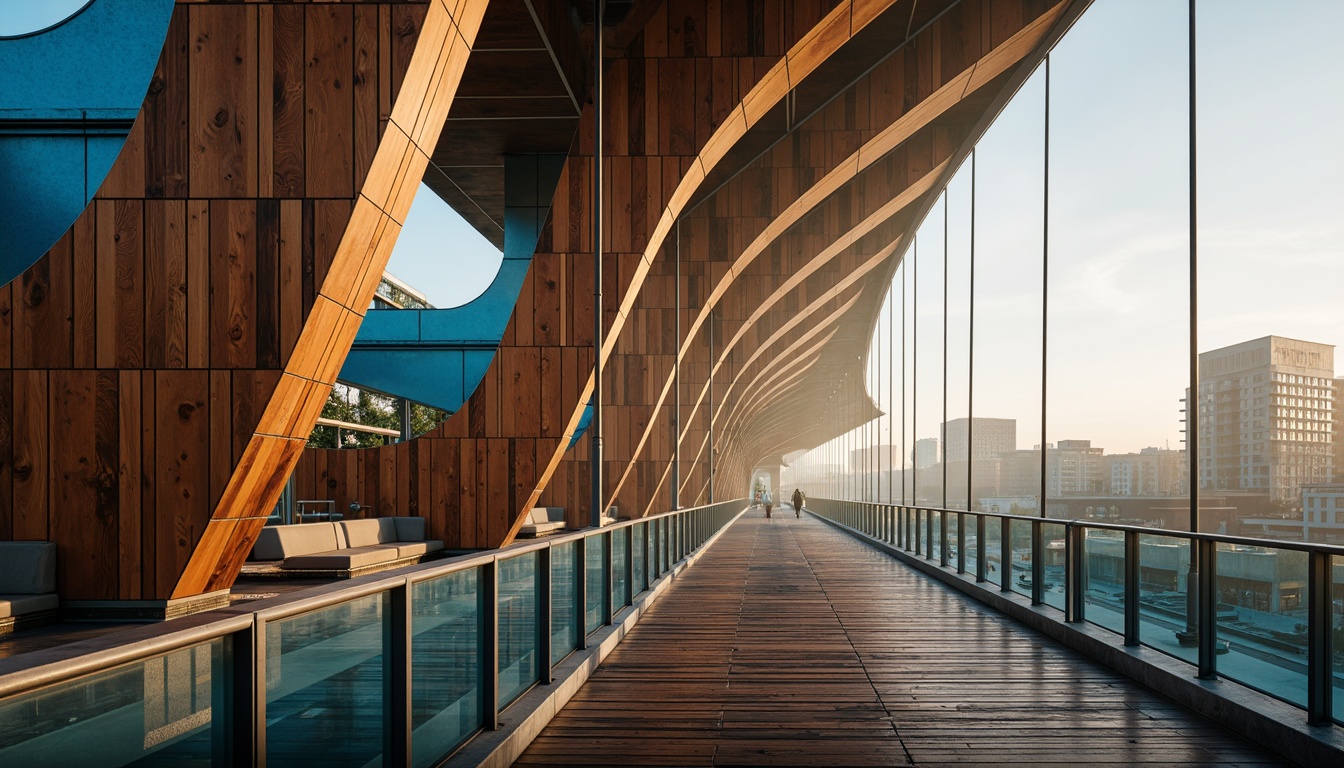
x: 766, y: 164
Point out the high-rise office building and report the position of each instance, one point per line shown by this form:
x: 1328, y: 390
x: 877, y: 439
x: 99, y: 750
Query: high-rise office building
x: 925, y: 454
x: 1265, y: 417
x: 1075, y: 468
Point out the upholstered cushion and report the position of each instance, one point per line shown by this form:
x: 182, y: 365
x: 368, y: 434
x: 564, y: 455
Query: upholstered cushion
x: 27, y: 567
x: 17, y: 605
x: 417, y: 548
x: 278, y: 542
x: 409, y: 528
x: 343, y: 559
x: 366, y: 533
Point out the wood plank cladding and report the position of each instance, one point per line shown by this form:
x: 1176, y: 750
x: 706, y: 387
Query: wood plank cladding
x: 161, y: 365
x: 683, y: 97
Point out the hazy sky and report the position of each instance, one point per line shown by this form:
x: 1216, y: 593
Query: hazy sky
x: 1271, y: 220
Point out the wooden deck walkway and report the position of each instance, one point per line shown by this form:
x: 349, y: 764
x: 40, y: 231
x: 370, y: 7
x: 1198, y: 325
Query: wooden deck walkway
x: 790, y: 643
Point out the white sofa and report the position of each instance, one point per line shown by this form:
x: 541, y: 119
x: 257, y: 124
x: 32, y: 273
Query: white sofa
x: 345, y: 548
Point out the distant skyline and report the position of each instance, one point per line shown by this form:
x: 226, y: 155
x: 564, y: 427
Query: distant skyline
x: 1271, y: 220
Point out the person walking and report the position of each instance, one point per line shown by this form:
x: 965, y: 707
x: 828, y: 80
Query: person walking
x: 768, y: 502
x: 797, y: 503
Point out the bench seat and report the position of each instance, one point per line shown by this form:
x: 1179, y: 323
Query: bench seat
x: 27, y: 584
x: 17, y: 605
x: 542, y: 520
x: 346, y: 548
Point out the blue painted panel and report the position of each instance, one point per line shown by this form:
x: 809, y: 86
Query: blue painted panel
x: 72, y: 91
x: 433, y: 379
x: 471, y: 331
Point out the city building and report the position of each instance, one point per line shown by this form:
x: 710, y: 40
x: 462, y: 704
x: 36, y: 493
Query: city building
x: 991, y: 437
x: 925, y: 454
x: 1075, y: 468
x: 1150, y: 472
x: 1266, y: 408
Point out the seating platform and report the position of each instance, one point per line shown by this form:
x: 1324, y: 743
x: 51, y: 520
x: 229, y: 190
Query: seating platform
x: 27, y: 584
x: 342, y: 549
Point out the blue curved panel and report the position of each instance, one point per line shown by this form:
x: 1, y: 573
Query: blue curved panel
x: 68, y: 98
x: 439, y: 356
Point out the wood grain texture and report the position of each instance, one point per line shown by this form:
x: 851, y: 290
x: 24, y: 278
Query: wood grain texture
x: 139, y: 356
x: 792, y: 644
x: 788, y: 238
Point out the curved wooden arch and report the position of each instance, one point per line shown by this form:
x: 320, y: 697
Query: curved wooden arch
x: 982, y: 71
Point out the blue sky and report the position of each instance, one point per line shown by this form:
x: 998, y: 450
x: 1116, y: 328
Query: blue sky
x: 19, y: 17
x: 1271, y: 219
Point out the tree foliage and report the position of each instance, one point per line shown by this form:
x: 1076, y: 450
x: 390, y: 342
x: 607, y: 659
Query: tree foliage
x: 360, y: 406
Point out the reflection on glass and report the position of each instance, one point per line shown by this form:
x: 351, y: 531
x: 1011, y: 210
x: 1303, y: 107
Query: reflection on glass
x: 564, y: 610
x: 1052, y: 589
x: 1019, y: 573
x: 1164, y: 562
x: 446, y: 706
x: 1262, y: 601
x: 972, y: 542
x: 151, y: 712
x: 1337, y: 634
x: 637, y: 539
x: 1104, y: 579
x: 596, y: 567
x: 936, y: 534
x: 994, y: 568
x: 518, y: 668
x: 620, y: 592
x: 324, y: 685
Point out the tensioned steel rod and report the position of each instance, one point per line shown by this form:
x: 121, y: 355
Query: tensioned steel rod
x: 1045, y: 285
x: 891, y: 390
x: 914, y: 371
x: 596, y: 422
x: 1192, y: 402
x: 970, y: 362
x: 676, y: 377
x: 942, y: 434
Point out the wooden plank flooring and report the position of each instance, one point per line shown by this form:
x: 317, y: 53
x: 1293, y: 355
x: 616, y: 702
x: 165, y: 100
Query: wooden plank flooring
x: 790, y: 643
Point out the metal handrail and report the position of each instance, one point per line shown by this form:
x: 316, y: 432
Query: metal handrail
x: 75, y: 660
x: 911, y: 527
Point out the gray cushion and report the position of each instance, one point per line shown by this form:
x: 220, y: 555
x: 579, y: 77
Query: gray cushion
x: 409, y: 528
x: 27, y: 567
x: 366, y: 533
x: 343, y: 559
x: 416, y: 548
x: 17, y: 605
x: 278, y: 542
x: 532, y: 529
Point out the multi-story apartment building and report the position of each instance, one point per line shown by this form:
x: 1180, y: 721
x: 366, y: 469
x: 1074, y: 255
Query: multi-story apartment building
x: 1150, y: 472
x: 992, y: 437
x: 1075, y: 468
x: 1266, y: 408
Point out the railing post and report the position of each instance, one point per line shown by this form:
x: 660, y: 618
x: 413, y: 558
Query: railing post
x: 961, y: 542
x: 490, y: 644
x: 981, y: 549
x: 608, y: 567
x: 1005, y: 554
x: 544, y: 614
x: 1320, y: 656
x: 397, y: 705
x: 1037, y: 562
x: 928, y: 534
x: 247, y: 703
x: 1132, y: 587
x: 581, y: 589
x: 629, y: 565
x: 942, y: 538
x: 1207, y: 607
x: 1075, y: 572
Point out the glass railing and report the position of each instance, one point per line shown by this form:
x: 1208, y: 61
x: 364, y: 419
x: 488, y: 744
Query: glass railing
x: 393, y: 670
x: 1267, y: 614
